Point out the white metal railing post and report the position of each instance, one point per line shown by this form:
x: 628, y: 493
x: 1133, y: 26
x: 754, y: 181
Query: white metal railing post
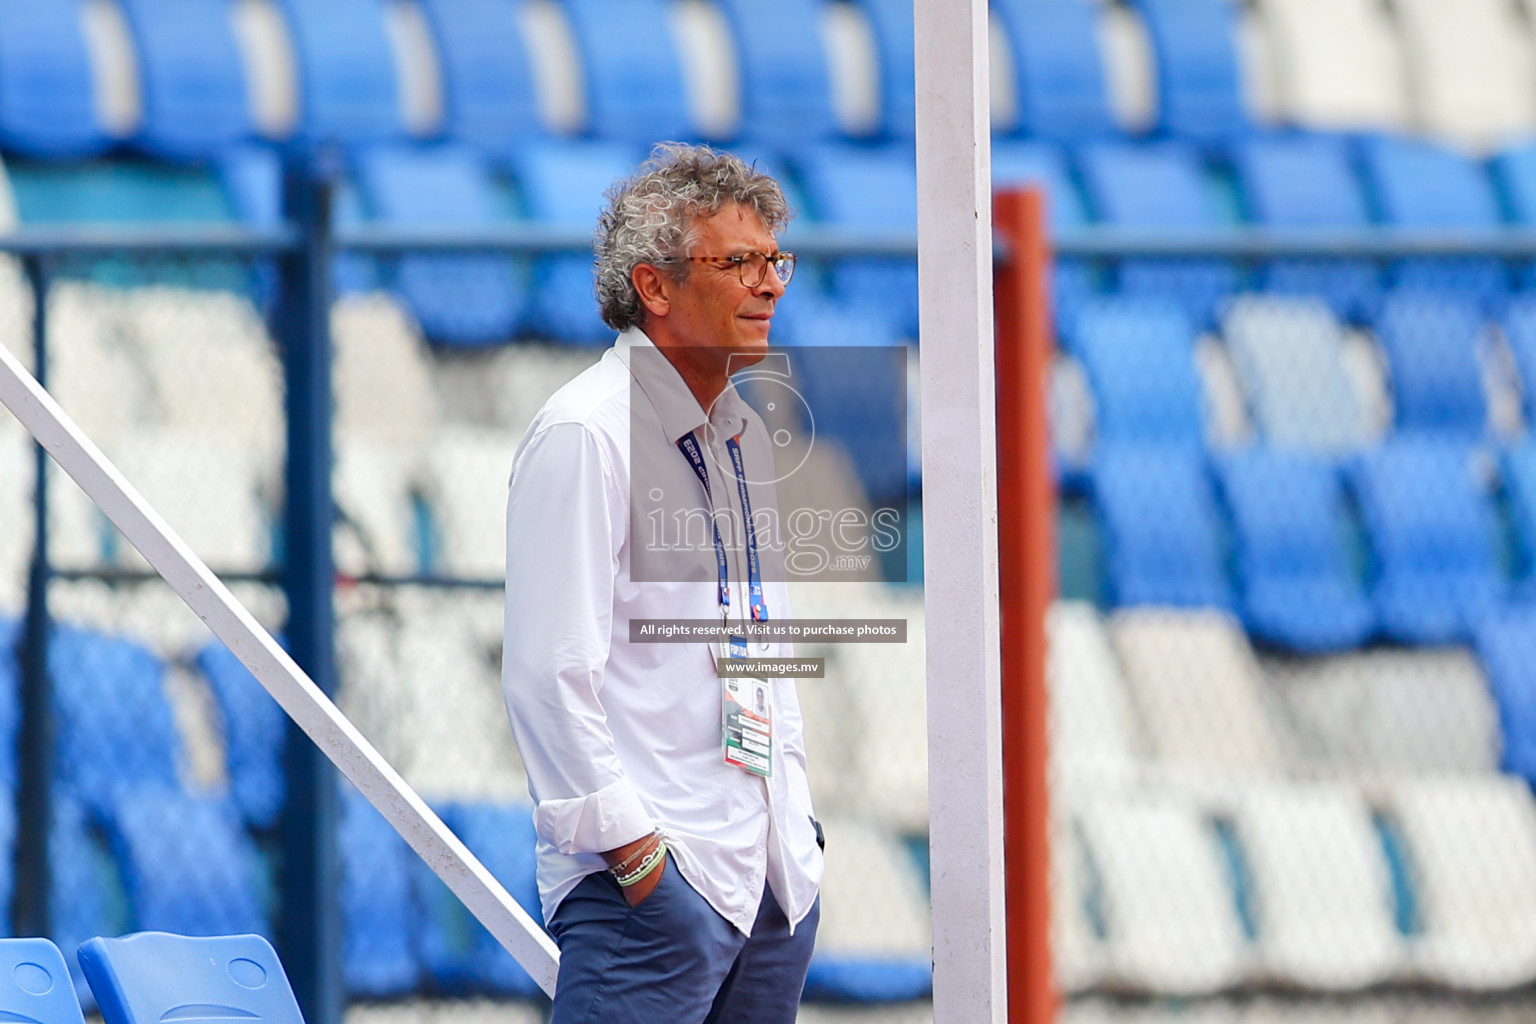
x: 954, y: 230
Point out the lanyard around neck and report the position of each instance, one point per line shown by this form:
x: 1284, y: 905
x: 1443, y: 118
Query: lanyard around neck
x: 690, y: 448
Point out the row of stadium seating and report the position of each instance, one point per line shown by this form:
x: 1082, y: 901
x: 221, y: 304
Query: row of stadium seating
x: 1328, y: 823
x: 1290, y: 181
x: 1283, y: 180
x: 186, y: 80
x: 1357, y: 797
x: 170, y: 782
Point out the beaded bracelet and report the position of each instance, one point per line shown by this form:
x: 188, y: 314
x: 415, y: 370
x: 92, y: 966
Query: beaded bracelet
x: 650, y: 863
x: 639, y: 851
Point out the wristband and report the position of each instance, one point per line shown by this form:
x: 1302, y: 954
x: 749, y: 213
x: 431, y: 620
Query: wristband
x: 640, y: 851
x: 651, y: 862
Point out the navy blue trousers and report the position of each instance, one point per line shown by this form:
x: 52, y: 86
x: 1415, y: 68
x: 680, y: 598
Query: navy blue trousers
x: 673, y: 959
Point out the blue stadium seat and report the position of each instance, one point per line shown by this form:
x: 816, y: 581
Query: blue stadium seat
x: 873, y: 188
x: 1514, y: 171
x: 460, y: 953
x: 114, y: 723
x: 188, y: 864
x: 378, y: 906
x: 84, y: 903
x: 154, y: 977
x: 347, y: 88
x: 786, y: 91
x: 1018, y: 163
x: 1289, y: 525
x: 34, y: 983
x: 1506, y: 644
x: 1159, y: 185
x: 254, y: 732
x: 488, y: 91
x: 252, y: 180
x: 47, y: 95
x: 853, y: 378
x: 1520, y: 333
x: 895, y: 34
x: 1418, y: 184
x: 1518, y: 465
x: 1199, y: 85
x: 1430, y: 341
x: 10, y: 702
x: 459, y: 299
x: 1308, y: 181
x: 1432, y: 531
x: 1173, y: 557
x: 633, y: 73
x: 561, y: 185
x: 193, y: 83
x: 1139, y: 355
x: 1062, y: 90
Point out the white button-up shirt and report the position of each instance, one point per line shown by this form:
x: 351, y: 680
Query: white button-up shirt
x: 621, y: 738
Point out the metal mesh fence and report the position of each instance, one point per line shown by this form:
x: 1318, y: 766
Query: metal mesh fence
x: 1289, y: 670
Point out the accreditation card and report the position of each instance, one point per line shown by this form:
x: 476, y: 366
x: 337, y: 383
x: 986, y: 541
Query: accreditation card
x: 748, y: 718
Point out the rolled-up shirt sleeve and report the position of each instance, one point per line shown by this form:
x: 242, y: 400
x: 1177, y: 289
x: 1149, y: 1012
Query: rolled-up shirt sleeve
x: 565, y: 527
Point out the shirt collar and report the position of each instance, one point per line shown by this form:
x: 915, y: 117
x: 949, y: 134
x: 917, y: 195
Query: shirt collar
x: 669, y: 394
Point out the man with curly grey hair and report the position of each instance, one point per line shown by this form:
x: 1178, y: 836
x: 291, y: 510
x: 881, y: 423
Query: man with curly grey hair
x: 679, y: 860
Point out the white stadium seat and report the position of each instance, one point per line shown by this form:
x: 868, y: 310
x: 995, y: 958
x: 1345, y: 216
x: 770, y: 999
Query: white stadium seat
x: 207, y: 488
x: 465, y: 477
x: 1392, y: 712
x: 1201, y: 695
x: 372, y: 481
x: 1093, y: 728
x: 1472, y: 67
x: 16, y: 517
x: 887, y: 683
x: 1338, y: 64
x: 209, y: 364
x: 382, y: 376
x: 1077, y: 955
x: 1289, y: 353
x: 873, y: 902
x: 1171, y: 919
x: 1321, y: 886
x: 1472, y: 844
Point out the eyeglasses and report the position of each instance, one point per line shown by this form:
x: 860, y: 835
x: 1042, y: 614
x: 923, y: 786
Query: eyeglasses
x: 752, y: 267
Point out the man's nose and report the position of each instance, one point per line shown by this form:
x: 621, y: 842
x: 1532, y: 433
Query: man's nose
x: 771, y: 284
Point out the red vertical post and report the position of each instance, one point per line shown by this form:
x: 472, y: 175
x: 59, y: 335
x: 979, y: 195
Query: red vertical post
x: 1026, y: 568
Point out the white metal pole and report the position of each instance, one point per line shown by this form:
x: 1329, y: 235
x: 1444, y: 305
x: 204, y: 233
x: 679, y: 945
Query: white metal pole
x: 303, y: 701
x: 954, y: 232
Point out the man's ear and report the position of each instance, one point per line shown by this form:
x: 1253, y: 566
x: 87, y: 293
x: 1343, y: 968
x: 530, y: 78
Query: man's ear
x: 653, y: 287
